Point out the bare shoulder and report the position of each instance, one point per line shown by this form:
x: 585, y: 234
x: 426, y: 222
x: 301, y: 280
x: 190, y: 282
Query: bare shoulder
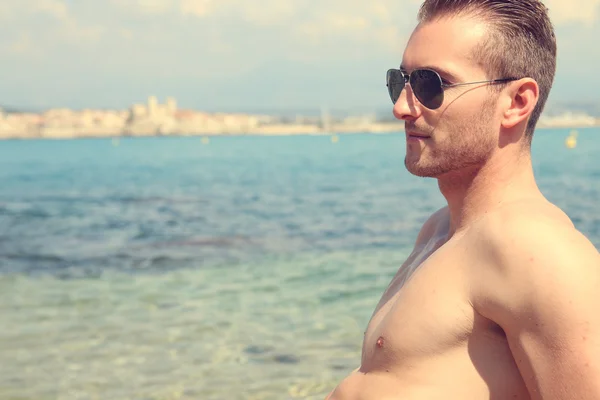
x: 533, y: 246
x: 532, y: 235
x: 539, y: 280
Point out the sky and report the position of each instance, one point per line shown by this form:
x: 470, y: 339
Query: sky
x: 238, y: 55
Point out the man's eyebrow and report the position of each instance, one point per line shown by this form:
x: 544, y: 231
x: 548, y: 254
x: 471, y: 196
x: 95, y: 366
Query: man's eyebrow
x: 443, y: 72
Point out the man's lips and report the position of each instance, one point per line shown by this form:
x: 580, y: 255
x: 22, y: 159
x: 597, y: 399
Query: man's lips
x: 417, y: 135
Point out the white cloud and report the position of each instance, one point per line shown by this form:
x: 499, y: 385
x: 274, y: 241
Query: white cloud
x: 56, y: 8
x: 6, y: 10
x: 154, y: 6
x: 197, y: 8
x: 13, y: 9
x: 27, y: 37
x: 23, y: 44
x: 567, y: 11
x: 144, y: 7
x: 270, y: 12
x: 208, y: 41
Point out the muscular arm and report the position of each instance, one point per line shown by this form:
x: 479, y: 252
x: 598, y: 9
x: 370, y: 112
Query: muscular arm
x: 544, y: 291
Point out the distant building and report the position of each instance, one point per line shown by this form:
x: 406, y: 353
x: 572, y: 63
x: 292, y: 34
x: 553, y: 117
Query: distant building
x: 138, y: 111
x: 171, y: 106
x: 567, y: 119
x: 152, y: 106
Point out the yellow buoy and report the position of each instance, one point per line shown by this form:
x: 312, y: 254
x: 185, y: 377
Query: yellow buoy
x: 205, y: 140
x: 571, y: 142
x: 335, y: 139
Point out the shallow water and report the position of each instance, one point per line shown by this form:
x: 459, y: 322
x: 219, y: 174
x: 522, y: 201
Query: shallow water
x: 243, y: 269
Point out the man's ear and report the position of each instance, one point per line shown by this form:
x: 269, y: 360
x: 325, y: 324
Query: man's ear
x: 523, y: 97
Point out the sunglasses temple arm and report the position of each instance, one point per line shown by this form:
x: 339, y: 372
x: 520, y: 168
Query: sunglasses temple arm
x: 475, y: 83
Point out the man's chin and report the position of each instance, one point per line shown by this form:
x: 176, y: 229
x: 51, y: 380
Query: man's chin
x: 422, y: 174
x: 422, y: 171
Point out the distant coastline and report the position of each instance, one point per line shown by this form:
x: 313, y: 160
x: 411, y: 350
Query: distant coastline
x: 267, y: 130
x: 155, y: 120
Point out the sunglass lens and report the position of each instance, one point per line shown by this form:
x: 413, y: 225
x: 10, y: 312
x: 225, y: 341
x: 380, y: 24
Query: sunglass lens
x: 395, y: 84
x: 427, y: 87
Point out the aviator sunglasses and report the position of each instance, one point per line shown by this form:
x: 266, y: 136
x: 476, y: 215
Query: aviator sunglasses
x: 426, y: 84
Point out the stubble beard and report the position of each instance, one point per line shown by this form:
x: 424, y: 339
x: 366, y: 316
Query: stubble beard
x: 464, y: 147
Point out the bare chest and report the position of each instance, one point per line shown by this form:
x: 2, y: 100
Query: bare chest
x: 425, y: 310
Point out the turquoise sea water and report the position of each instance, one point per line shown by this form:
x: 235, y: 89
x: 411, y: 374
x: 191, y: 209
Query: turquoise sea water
x: 247, y: 268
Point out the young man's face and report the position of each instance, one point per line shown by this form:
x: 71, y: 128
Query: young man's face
x: 464, y: 130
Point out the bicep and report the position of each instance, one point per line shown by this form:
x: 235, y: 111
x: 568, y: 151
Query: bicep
x: 552, y: 321
x: 557, y: 351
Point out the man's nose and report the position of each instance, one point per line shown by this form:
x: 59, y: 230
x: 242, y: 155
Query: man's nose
x: 407, y: 108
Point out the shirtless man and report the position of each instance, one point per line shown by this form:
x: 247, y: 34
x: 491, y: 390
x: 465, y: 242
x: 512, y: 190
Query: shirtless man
x: 500, y: 298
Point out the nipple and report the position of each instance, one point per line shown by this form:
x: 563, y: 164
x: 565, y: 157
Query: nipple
x: 380, y: 342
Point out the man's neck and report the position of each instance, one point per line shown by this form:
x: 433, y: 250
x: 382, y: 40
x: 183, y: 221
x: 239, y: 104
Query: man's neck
x: 475, y: 191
